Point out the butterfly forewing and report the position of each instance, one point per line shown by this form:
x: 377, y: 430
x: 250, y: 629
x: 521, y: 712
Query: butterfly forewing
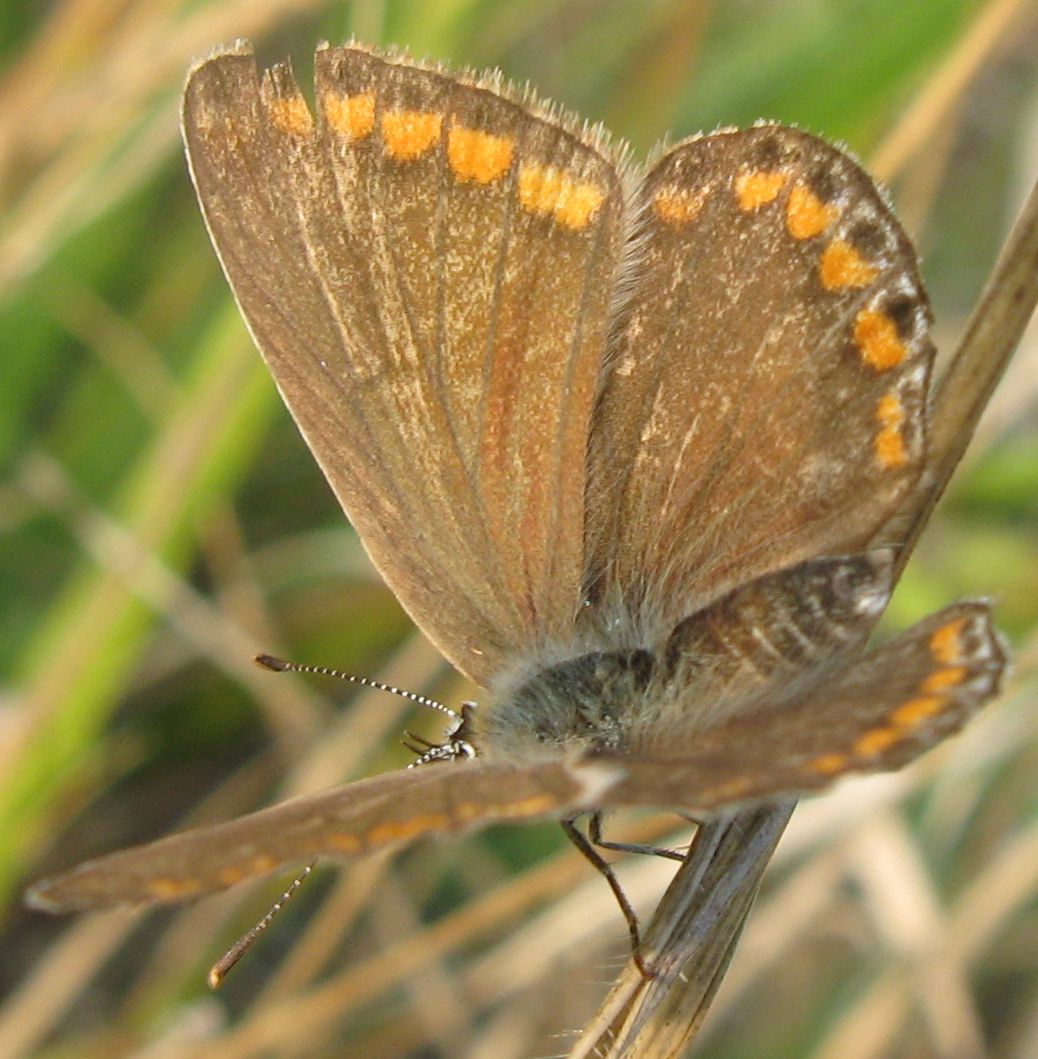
x: 764, y: 400
x: 432, y: 228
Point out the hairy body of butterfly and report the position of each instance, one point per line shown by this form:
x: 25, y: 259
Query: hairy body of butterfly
x: 758, y: 650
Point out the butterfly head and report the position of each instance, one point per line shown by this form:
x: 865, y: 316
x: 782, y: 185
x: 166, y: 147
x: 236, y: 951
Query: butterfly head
x: 456, y: 744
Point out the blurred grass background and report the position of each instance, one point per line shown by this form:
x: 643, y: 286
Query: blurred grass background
x: 160, y: 522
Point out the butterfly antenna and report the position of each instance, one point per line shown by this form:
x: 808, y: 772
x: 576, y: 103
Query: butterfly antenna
x: 219, y: 970
x: 279, y: 665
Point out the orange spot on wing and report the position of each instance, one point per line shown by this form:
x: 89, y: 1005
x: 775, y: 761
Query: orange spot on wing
x: 230, y: 875
x: 730, y: 791
x: 942, y: 679
x: 351, y: 116
x: 478, y: 156
x: 829, y: 764
x: 910, y: 713
x: 946, y: 642
x: 520, y: 810
x: 547, y: 191
x: 757, y: 188
x: 292, y: 115
x: 677, y: 206
x: 806, y: 214
x: 876, y: 741
x: 408, y: 134
x: 345, y: 843
x: 878, y: 341
x: 263, y: 862
x: 842, y: 266
x: 889, y: 443
x: 399, y: 830
x: 166, y: 889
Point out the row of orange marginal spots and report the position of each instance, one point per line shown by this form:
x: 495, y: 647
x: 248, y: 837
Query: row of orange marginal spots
x: 379, y: 836
x: 947, y: 651
x: 931, y: 698
x: 482, y: 158
x: 841, y: 266
x: 474, y: 156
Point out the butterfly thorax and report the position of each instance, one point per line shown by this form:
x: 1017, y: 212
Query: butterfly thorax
x: 585, y: 704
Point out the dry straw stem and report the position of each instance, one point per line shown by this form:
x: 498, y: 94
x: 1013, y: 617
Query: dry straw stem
x: 691, y: 938
x: 1002, y: 312
x: 690, y: 942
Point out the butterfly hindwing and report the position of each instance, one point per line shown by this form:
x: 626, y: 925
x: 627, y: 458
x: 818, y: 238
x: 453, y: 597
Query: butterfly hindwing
x: 884, y: 711
x: 352, y: 820
x: 761, y: 646
x: 765, y: 399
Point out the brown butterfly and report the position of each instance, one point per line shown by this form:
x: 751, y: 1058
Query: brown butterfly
x: 621, y: 442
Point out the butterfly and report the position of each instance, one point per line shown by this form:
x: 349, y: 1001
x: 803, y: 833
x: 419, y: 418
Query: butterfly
x: 623, y: 441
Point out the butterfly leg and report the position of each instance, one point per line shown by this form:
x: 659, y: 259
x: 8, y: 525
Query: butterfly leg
x: 594, y: 832
x: 587, y: 848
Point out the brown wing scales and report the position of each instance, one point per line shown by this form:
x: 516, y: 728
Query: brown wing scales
x: 359, y: 818
x: 396, y: 259
x: 764, y: 401
x: 884, y: 711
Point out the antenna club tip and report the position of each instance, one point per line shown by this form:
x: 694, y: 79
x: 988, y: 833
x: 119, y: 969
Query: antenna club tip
x: 214, y: 979
x: 278, y: 665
